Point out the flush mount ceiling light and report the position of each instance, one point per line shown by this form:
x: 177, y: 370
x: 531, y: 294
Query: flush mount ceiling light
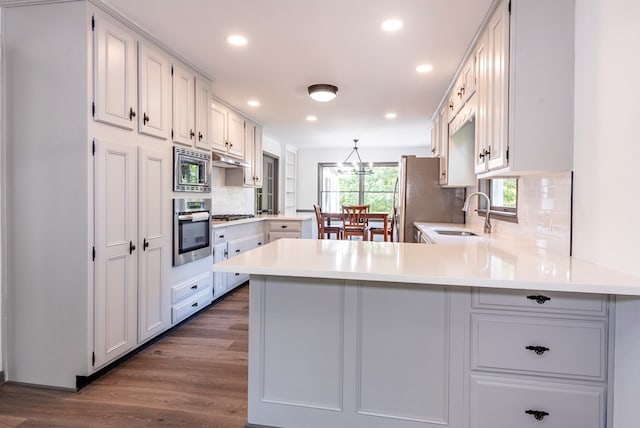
x: 391, y: 25
x: 390, y: 115
x: 357, y: 167
x: 323, y: 92
x: 237, y: 40
x: 424, y: 68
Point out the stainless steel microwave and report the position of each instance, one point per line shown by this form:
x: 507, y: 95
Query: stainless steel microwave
x: 192, y: 171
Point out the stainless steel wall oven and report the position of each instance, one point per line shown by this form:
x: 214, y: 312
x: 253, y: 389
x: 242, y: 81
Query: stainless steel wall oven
x: 191, y: 230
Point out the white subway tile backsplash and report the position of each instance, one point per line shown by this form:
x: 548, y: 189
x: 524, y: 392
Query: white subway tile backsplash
x: 544, y: 213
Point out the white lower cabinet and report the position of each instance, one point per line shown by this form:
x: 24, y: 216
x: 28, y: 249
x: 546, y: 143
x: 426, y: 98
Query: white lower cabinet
x: 538, y: 358
x: 190, y: 296
x: 230, y: 241
x: 292, y: 229
x: 498, y: 402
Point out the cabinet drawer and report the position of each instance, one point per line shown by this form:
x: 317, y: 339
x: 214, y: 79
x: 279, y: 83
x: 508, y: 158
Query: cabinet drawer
x: 283, y: 225
x: 219, y: 236
x: 540, y: 301
x: 279, y: 235
x: 190, y: 287
x: 568, y: 348
x: 240, y: 246
x: 503, y: 403
x: 192, y: 305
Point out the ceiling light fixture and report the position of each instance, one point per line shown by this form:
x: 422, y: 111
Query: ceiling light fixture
x: 323, y: 92
x: 390, y: 115
x: 312, y: 118
x: 424, y: 68
x: 357, y: 168
x: 392, y: 25
x: 254, y: 103
x: 237, y: 40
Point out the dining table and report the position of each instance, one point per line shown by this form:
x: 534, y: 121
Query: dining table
x: 381, y: 215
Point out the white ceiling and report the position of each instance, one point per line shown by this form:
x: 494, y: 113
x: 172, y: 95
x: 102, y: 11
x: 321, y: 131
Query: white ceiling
x: 296, y: 43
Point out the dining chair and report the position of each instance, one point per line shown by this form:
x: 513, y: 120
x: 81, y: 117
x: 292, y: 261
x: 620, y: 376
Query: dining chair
x: 391, y: 222
x: 324, y: 231
x: 354, y: 221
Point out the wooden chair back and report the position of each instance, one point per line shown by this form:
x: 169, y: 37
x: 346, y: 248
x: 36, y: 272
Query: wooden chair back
x: 355, y: 216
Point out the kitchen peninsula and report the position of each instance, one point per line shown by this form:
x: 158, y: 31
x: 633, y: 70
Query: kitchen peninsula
x: 469, y: 332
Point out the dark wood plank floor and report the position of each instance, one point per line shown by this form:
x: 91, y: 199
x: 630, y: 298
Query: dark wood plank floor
x: 194, y: 377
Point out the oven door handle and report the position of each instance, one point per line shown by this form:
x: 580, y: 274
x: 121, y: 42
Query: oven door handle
x: 185, y: 217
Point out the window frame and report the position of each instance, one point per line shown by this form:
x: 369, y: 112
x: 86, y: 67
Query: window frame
x: 497, y: 212
x: 361, y: 190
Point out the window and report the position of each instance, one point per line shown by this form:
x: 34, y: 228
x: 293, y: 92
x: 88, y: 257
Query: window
x: 376, y: 189
x: 503, y: 193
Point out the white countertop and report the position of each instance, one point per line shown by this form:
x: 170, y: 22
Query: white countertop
x: 298, y: 217
x: 467, y: 261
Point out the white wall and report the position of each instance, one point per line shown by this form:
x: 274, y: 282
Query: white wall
x: 606, y: 156
x: 308, y: 160
x: 2, y: 168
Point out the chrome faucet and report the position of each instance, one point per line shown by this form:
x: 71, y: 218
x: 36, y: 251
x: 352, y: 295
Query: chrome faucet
x: 487, y: 221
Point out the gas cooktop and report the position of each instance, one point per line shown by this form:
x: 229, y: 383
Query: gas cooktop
x: 230, y: 217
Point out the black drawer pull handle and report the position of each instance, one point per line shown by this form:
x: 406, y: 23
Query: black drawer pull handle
x: 539, y: 298
x: 237, y: 274
x: 194, y: 287
x: 221, y: 236
x: 195, y: 305
x: 538, y: 414
x: 284, y: 226
x: 537, y: 349
x: 238, y: 250
x: 259, y: 243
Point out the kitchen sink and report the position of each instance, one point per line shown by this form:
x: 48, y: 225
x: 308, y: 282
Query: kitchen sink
x: 455, y: 232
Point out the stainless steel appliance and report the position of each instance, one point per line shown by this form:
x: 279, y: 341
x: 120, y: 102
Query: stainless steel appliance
x: 191, y: 230
x: 191, y: 171
x: 231, y: 217
x: 420, y: 197
x: 224, y: 161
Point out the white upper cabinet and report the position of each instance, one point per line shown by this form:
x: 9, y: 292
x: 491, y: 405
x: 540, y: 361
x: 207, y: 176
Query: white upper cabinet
x: 115, y: 73
x: 203, y: 120
x: 183, y: 123
x: 491, y: 151
x: 218, y: 114
x: 191, y: 117
x: 154, y: 92
x: 527, y: 88
x: 235, y: 134
x: 253, y: 154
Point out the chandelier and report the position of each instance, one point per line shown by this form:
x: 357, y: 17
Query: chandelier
x: 356, y: 167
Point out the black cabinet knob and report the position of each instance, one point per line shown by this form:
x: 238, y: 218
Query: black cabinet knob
x: 537, y: 349
x: 539, y: 298
x: 132, y: 113
x: 191, y: 134
x: 145, y: 118
x: 145, y: 244
x: 538, y: 414
x: 132, y: 247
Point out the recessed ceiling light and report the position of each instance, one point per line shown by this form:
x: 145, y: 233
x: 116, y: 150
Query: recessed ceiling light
x: 392, y: 25
x: 312, y: 118
x: 253, y: 103
x: 390, y: 115
x: 424, y: 68
x: 237, y: 40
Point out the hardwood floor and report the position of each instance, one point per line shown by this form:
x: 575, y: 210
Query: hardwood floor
x: 194, y: 377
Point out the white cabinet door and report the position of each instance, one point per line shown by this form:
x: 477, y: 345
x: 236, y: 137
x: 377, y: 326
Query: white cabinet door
x: 218, y: 127
x: 220, y: 279
x: 235, y: 134
x: 183, y: 123
x: 115, y: 241
x: 498, y: 87
x: 249, y: 148
x: 154, y: 239
x: 115, y: 73
x: 203, y: 123
x: 153, y: 92
x: 482, y: 121
x: 257, y: 157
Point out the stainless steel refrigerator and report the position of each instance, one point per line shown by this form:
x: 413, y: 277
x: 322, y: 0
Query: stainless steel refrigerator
x: 420, y: 197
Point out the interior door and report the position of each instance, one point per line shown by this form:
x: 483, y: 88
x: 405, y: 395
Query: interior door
x: 115, y: 244
x: 154, y: 256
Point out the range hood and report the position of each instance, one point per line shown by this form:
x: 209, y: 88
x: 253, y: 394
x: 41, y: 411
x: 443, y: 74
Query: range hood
x: 224, y: 161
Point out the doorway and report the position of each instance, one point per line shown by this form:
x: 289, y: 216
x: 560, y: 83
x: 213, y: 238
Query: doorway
x: 267, y: 196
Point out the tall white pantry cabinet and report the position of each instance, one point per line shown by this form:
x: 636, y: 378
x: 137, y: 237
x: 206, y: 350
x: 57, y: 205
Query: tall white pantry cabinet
x: 89, y: 153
